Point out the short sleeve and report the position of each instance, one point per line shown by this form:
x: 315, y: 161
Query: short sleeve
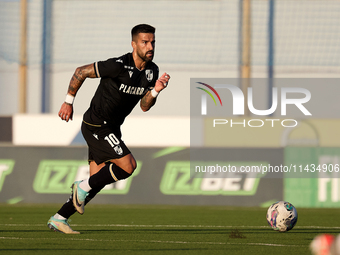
x: 108, y: 68
x: 155, y: 77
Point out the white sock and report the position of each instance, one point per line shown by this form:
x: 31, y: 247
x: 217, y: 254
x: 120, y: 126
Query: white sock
x: 59, y: 217
x: 84, y: 185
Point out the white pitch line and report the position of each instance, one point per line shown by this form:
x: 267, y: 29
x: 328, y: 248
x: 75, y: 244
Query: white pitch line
x: 139, y: 226
x: 277, y: 245
x: 165, y: 226
x: 152, y: 241
x: 317, y: 227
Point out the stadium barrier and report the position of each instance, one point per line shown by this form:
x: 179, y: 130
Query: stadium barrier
x: 45, y: 174
x: 36, y: 167
x: 163, y: 176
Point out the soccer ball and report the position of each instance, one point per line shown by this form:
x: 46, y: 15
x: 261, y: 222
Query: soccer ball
x: 282, y: 216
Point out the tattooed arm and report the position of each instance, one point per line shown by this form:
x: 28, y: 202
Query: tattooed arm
x: 149, y: 99
x: 78, y: 78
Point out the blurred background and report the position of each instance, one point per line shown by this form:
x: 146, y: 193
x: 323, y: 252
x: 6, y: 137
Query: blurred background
x: 43, y: 41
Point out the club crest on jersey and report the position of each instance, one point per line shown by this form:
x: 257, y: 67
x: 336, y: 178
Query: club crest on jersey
x: 118, y: 150
x: 149, y: 75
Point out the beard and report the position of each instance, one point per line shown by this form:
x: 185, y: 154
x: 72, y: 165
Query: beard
x: 145, y: 57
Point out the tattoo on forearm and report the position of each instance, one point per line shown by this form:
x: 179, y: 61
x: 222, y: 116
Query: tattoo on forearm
x: 72, y: 89
x: 147, y: 101
x: 75, y: 84
x: 79, y: 77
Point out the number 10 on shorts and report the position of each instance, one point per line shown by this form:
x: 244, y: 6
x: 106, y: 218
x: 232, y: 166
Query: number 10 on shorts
x: 112, y: 139
x: 114, y: 142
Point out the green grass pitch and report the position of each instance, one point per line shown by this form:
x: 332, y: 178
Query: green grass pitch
x: 142, y: 229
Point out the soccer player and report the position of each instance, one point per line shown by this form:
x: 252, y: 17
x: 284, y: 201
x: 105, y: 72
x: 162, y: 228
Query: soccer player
x: 125, y: 81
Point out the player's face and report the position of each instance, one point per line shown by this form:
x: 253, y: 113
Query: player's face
x: 144, y: 45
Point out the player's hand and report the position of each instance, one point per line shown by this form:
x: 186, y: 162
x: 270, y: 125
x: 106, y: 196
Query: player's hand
x: 162, y: 82
x: 66, y: 112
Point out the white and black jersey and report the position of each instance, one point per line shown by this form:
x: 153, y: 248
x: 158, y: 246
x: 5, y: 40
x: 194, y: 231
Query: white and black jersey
x: 121, y: 86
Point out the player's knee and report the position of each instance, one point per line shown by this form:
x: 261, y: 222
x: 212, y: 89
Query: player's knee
x: 110, y: 173
x: 119, y: 173
x: 130, y: 168
x: 127, y: 163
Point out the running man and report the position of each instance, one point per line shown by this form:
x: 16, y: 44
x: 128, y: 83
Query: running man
x: 125, y: 81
